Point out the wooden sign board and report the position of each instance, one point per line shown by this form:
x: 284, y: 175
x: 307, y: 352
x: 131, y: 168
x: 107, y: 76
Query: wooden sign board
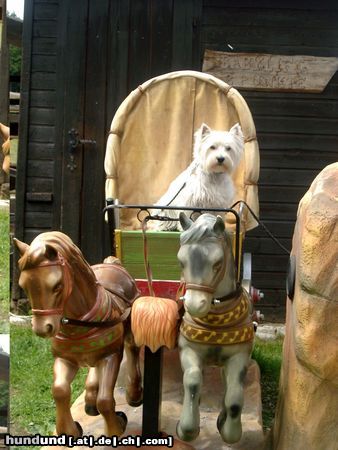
x: 257, y: 71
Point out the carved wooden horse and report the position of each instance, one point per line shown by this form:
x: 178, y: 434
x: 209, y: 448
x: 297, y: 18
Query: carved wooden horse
x: 70, y: 301
x: 6, y: 146
x: 216, y: 328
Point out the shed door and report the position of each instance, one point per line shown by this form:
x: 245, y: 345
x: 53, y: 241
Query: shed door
x: 83, y: 84
x: 108, y: 49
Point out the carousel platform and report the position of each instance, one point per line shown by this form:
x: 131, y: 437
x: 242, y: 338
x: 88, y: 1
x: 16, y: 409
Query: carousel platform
x: 172, y: 394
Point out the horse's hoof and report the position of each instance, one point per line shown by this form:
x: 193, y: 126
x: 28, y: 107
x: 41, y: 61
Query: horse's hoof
x: 91, y: 410
x: 135, y: 403
x: 231, y: 432
x: 187, y: 435
x: 221, y: 420
x: 123, y: 419
x: 132, y: 402
x: 79, y: 428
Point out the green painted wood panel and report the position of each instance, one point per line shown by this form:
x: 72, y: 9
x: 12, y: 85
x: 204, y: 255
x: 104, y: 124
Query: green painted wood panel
x: 162, y: 253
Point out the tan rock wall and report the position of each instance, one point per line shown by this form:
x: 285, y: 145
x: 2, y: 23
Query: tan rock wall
x: 307, y: 410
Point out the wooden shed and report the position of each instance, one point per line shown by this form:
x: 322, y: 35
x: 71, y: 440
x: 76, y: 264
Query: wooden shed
x: 83, y: 57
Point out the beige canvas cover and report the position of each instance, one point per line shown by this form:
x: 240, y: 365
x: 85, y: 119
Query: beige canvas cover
x: 151, y: 138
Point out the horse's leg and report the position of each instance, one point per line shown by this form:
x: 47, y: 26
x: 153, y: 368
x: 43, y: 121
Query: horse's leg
x: 64, y: 373
x: 92, y: 387
x: 108, y: 369
x: 188, y: 427
x: 134, y: 391
x: 229, y: 421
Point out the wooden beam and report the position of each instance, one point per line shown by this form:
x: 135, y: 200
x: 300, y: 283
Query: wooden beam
x: 4, y: 64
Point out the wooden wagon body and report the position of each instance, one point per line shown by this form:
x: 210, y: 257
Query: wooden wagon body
x: 150, y: 143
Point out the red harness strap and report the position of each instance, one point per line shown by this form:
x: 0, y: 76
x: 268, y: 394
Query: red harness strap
x: 68, y: 286
x: 217, y: 279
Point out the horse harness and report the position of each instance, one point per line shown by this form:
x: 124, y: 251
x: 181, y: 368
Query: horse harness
x: 222, y: 326
x: 62, y: 262
x: 230, y: 324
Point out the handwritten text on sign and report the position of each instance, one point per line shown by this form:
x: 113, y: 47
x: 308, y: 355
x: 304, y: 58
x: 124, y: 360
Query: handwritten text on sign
x: 271, y: 72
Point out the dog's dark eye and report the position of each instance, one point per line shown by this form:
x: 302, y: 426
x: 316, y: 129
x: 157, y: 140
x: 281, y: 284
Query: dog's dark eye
x: 213, y: 147
x: 227, y: 148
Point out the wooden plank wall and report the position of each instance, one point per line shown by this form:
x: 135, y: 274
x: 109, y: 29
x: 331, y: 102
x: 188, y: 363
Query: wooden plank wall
x: 4, y: 64
x: 297, y: 133
x: 36, y: 164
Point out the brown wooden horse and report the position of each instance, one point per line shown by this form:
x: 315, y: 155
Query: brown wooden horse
x: 6, y: 146
x: 70, y: 300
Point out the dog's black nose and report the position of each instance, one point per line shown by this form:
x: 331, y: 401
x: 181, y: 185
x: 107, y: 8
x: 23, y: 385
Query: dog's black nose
x: 220, y: 159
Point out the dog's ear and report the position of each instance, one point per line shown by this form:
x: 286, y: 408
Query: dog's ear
x: 205, y: 130
x: 185, y: 221
x: 236, y: 130
x: 219, y: 226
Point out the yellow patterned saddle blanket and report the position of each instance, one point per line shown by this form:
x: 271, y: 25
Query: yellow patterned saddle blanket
x: 230, y: 324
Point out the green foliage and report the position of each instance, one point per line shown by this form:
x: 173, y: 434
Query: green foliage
x: 268, y: 355
x: 4, y: 270
x: 14, y: 60
x: 32, y: 406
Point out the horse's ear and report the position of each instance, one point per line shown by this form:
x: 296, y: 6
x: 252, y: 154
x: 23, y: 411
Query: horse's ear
x: 185, y: 221
x: 50, y: 252
x: 219, y: 226
x: 21, y: 246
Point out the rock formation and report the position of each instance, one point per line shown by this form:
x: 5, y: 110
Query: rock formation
x: 307, y: 410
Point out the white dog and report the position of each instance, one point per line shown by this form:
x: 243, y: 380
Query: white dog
x: 207, y: 182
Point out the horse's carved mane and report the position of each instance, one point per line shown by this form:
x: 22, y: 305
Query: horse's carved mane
x: 202, y: 228
x: 61, y: 244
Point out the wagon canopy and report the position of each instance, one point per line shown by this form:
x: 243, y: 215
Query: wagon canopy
x: 151, y: 139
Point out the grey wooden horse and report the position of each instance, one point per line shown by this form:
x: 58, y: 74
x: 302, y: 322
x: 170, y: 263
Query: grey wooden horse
x: 216, y: 329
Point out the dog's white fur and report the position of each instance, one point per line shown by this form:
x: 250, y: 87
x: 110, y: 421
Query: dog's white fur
x: 207, y: 182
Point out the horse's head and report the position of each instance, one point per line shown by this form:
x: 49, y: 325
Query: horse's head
x: 206, y: 260
x: 46, y: 279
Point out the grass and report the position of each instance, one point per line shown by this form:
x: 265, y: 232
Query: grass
x: 4, y: 270
x: 268, y: 355
x: 32, y: 407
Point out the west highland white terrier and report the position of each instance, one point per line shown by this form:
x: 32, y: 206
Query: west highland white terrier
x: 207, y: 182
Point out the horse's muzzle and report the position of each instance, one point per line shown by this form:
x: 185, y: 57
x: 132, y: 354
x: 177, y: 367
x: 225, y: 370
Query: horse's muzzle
x: 197, y: 304
x: 45, y: 327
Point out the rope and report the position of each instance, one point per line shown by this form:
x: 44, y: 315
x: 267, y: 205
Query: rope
x: 180, y: 190
x: 265, y: 228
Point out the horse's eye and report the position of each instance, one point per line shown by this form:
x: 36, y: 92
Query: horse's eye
x: 57, y: 287
x: 217, y: 266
